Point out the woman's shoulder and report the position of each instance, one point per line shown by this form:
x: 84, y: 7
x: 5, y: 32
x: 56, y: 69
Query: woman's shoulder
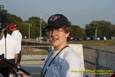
x: 69, y: 53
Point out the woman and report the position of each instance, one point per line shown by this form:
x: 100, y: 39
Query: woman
x: 63, y: 62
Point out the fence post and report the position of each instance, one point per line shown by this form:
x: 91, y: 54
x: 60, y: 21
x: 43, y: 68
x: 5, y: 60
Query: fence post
x: 97, y: 62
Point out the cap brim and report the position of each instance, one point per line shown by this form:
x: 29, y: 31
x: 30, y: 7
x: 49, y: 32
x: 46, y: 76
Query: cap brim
x: 50, y: 27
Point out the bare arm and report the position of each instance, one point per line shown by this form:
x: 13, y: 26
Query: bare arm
x: 18, y: 58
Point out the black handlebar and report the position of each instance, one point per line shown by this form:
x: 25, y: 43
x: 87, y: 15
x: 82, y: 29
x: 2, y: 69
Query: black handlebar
x: 13, y: 65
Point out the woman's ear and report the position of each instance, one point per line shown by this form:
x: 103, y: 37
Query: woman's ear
x: 67, y: 35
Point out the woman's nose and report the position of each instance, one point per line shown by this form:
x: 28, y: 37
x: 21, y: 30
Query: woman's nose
x: 54, y: 32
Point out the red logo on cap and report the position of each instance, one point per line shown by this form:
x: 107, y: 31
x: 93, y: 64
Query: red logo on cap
x: 54, y: 18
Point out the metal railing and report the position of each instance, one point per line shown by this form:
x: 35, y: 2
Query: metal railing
x: 98, y: 54
x: 104, y: 60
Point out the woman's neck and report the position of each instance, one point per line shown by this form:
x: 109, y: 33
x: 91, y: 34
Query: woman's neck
x: 58, y: 48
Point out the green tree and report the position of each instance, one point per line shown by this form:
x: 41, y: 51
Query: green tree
x: 14, y: 18
x: 113, y: 30
x: 77, y: 31
x: 35, y: 23
x: 101, y: 28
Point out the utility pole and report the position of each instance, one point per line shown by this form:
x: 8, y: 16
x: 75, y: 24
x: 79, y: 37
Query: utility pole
x: 40, y: 27
x: 96, y: 33
x: 29, y: 30
x: 40, y: 35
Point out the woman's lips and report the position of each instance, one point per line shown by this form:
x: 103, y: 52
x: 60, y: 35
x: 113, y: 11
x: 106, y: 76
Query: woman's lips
x: 54, y: 39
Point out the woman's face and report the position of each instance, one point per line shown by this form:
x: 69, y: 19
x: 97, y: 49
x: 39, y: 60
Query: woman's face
x: 58, y: 37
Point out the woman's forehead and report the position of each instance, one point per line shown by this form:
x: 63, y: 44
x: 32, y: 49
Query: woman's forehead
x: 52, y: 29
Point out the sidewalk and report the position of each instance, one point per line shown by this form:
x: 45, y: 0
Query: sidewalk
x: 32, y: 60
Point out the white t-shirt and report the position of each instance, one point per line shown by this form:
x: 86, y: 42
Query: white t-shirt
x: 11, y: 48
x: 18, y: 37
x: 66, y: 64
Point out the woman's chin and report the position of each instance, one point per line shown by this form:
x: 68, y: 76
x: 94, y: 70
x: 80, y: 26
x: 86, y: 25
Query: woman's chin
x: 55, y: 44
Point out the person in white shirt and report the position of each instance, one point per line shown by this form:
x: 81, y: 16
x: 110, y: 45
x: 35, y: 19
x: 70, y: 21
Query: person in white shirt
x: 16, y: 34
x: 63, y: 62
x: 8, y: 47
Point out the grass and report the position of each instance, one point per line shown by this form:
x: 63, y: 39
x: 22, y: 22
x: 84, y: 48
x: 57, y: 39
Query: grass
x: 95, y: 42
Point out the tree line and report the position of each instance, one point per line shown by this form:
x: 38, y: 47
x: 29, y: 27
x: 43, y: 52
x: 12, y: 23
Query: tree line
x: 31, y: 27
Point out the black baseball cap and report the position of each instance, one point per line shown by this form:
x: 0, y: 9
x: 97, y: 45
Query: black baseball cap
x: 57, y: 21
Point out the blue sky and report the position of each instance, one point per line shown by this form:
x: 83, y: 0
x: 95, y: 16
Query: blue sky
x: 79, y: 12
